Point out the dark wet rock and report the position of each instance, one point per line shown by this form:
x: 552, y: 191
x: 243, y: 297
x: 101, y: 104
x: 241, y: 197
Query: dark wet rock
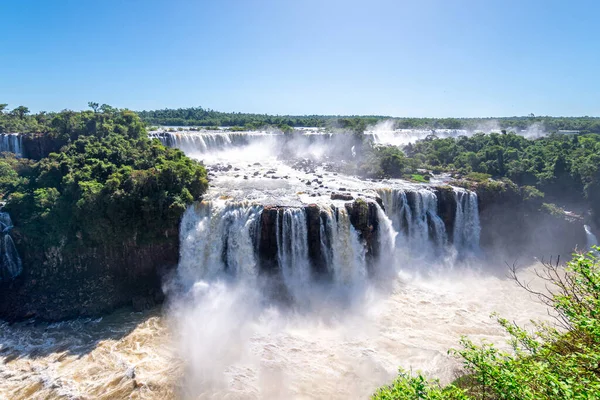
x: 90, y: 281
x: 342, y: 189
x: 447, y: 208
x: 342, y: 196
x: 363, y: 216
x: 314, y: 218
x: 515, y: 229
x: 267, y: 245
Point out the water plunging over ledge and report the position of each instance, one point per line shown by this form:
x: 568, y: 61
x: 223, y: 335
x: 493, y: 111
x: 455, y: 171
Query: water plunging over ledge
x: 10, y: 262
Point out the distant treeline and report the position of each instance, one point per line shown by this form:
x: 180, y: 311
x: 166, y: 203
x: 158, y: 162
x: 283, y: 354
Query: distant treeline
x: 198, y: 116
x: 21, y: 120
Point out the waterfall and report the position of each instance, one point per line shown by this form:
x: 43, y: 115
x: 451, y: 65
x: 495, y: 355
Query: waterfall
x: 420, y: 232
x: 292, y: 248
x: 222, y: 239
x: 12, y: 143
x: 10, y: 262
x: 466, y: 222
x: 415, y: 218
x: 345, y: 253
x: 218, y: 239
x: 205, y: 142
x: 387, y: 241
x: 592, y: 240
x: 225, y: 239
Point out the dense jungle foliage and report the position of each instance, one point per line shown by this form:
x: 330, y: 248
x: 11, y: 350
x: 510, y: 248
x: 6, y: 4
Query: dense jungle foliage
x: 557, y: 360
x: 563, y: 168
x: 198, y: 116
x: 107, y: 184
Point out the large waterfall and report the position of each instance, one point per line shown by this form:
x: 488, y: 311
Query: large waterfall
x: 204, y: 142
x: 345, y: 254
x: 10, y: 262
x: 302, y: 244
x: 11, y: 142
x: 217, y: 239
x: 292, y: 247
x: 466, y: 223
x: 424, y: 234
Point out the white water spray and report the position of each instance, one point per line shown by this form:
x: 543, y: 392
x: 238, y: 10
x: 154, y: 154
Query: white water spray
x: 592, y: 240
x: 10, y: 262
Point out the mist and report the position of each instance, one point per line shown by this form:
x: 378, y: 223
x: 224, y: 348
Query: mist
x: 384, y: 132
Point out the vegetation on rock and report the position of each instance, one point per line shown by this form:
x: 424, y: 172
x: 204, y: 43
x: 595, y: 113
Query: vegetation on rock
x: 563, y: 168
x: 108, y: 182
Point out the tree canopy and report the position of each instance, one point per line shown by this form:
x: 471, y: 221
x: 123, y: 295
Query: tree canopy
x: 108, y: 182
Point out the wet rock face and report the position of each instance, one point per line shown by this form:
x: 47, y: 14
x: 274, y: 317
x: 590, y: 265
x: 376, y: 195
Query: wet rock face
x: 63, y: 284
x: 315, y: 218
x: 447, y: 208
x: 267, y: 246
x: 363, y: 216
x: 513, y: 230
x: 38, y: 146
x: 342, y: 196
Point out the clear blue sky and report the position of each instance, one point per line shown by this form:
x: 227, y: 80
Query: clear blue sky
x: 391, y: 57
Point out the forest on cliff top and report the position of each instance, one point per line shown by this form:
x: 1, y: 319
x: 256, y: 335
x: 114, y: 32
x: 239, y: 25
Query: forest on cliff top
x: 104, y: 181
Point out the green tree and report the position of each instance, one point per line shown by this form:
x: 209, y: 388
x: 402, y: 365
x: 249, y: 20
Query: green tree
x: 21, y: 111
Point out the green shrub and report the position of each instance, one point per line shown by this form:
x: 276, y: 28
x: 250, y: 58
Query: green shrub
x: 552, y: 209
x: 384, y: 162
x: 478, y: 176
x: 555, y: 361
x: 530, y: 193
x: 420, y: 178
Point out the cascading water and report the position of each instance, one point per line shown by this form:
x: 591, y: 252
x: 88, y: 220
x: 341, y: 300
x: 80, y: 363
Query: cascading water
x: 10, y: 262
x: 292, y: 249
x: 345, y: 253
x: 217, y: 239
x: 204, y: 142
x: 12, y: 143
x: 422, y: 233
x: 592, y: 240
x: 466, y: 223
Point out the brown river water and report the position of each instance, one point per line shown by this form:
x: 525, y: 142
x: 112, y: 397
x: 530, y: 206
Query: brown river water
x: 229, y: 347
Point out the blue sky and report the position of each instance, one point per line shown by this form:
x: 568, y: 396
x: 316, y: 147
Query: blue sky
x: 419, y: 58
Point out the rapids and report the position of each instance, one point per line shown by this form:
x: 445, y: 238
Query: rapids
x: 228, y: 346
